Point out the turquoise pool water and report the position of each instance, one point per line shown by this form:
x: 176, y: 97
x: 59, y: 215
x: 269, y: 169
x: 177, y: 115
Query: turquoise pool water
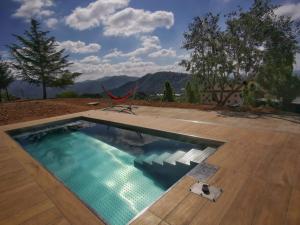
x: 96, y: 162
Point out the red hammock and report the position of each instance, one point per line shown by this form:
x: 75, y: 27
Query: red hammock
x: 121, y: 98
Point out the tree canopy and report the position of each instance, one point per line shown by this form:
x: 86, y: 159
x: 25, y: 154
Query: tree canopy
x: 39, y: 61
x: 6, y: 77
x: 168, y: 95
x: 255, y: 45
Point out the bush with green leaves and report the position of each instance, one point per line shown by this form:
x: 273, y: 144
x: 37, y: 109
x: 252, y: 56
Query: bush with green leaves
x: 248, y: 95
x: 140, y: 95
x: 190, y: 94
x: 90, y: 95
x: 67, y: 94
x: 6, y: 78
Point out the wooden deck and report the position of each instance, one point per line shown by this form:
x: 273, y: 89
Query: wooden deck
x: 259, y: 173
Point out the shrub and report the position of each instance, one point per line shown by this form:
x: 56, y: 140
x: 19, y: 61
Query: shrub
x: 189, y: 93
x: 140, y: 96
x: 168, y: 93
x: 67, y: 94
x: 90, y: 95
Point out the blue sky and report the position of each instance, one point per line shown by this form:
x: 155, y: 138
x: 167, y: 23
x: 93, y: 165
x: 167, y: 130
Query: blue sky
x: 118, y: 37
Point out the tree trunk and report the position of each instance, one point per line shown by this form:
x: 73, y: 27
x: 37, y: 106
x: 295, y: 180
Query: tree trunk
x: 7, y: 95
x: 44, y: 91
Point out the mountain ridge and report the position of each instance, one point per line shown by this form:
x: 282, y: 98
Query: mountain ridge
x: 154, y: 83
x: 23, y: 89
x: 149, y: 84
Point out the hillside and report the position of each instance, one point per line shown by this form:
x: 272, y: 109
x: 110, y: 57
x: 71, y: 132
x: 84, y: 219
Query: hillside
x: 25, y: 90
x: 149, y: 84
x: 154, y: 83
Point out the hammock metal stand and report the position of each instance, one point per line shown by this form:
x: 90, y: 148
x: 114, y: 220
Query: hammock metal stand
x: 115, y: 101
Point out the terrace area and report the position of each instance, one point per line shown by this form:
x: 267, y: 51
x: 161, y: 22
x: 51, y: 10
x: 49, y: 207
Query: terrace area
x: 259, y: 167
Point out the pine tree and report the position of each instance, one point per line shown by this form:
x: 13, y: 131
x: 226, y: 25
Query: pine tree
x: 38, y: 60
x: 168, y: 93
x: 189, y: 93
x: 6, y: 77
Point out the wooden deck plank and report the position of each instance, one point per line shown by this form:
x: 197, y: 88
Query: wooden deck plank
x: 186, y: 210
x: 293, y: 214
x: 14, y: 179
x: 171, y: 199
x: 47, y: 217
x: 62, y: 222
x: 9, y: 166
x: 273, y: 206
x: 212, y: 212
x: 69, y: 205
x: 147, y: 218
x: 244, y: 206
x: 15, y: 200
x: 27, y: 213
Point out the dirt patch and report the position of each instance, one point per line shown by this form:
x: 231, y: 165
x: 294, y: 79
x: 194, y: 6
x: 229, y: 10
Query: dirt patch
x: 30, y: 110
x: 21, y: 111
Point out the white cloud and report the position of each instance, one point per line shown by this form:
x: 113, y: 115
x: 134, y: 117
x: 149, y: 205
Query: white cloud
x: 149, y: 44
x: 32, y: 8
x: 51, y: 22
x: 83, y: 18
x: 289, y: 9
x: 131, y: 21
x: 94, y: 68
x: 79, y: 46
x: 114, y: 54
x: 94, y: 60
x: 183, y: 56
x: 163, y: 53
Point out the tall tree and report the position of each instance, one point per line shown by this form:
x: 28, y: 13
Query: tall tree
x: 6, y: 77
x: 39, y: 61
x: 221, y: 59
x: 280, y: 44
x: 255, y: 45
x: 204, y: 39
x: 168, y: 95
x: 189, y: 93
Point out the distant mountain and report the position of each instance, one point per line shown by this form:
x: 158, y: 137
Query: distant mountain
x: 149, y: 84
x: 154, y: 83
x: 25, y: 90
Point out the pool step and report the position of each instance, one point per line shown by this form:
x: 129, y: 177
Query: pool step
x: 189, y: 156
x: 149, y: 159
x: 204, y: 155
x: 179, y: 162
x: 160, y: 159
x: 174, y: 157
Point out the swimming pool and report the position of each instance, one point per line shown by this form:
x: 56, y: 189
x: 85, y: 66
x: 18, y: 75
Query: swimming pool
x: 115, y: 170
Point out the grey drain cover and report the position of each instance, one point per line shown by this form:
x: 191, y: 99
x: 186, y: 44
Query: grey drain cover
x: 205, y: 190
x: 203, y: 171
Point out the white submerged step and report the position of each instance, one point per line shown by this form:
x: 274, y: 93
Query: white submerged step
x: 204, y: 155
x: 149, y: 159
x: 174, y: 157
x: 178, y: 162
x: 189, y: 156
x: 160, y: 159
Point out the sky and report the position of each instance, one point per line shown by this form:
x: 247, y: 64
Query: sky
x: 119, y: 37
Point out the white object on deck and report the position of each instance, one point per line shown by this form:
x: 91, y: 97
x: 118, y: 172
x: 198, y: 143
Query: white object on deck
x: 93, y: 103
